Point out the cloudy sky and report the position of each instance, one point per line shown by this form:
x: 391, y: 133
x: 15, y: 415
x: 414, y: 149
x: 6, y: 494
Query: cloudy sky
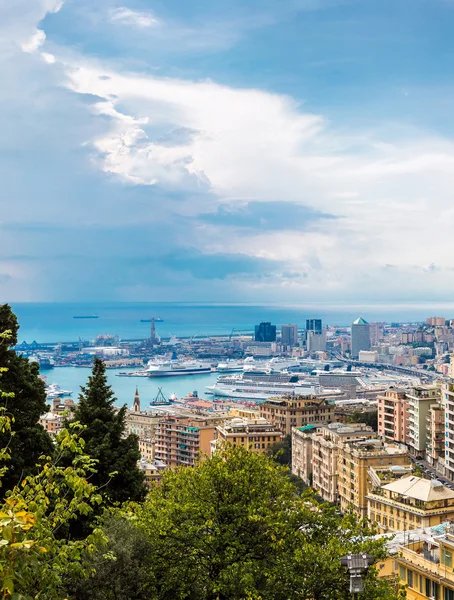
x: 228, y: 150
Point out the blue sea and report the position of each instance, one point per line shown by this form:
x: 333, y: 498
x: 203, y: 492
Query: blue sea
x: 48, y: 322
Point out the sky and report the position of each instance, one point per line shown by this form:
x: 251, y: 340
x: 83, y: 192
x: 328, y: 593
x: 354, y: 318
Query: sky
x: 234, y: 150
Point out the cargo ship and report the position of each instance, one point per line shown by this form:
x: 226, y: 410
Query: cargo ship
x: 86, y: 317
x: 156, y: 320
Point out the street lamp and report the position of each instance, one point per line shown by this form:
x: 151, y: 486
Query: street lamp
x: 358, y: 565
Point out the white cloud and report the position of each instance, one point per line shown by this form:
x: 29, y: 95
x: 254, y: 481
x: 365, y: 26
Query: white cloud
x: 34, y: 42
x: 132, y: 17
x: 389, y: 196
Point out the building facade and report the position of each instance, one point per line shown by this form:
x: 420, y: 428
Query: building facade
x: 297, y: 411
x: 410, y: 503
x: 420, y: 399
x: 255, y: 434
x: 354, y: 460
x: 360, y: 336
x: 289, y: 335
x: 392, y: 408
x: 425, y: 565
x: 265, y: 332
x: 183, y: 440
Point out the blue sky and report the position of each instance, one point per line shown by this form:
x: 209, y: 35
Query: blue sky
x: 272, y: 150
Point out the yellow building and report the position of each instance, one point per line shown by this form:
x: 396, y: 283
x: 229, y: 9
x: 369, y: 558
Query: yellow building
x: 285, y: 413
x: 315, y: 454
x: 425, y: 565
x: 183, y: 440
x: 410, y: 503
x: 256, y: 434
x: 354, y: 460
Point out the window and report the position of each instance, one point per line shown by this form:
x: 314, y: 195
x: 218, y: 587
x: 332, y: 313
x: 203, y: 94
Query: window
x: 446, y: 558
x: 410, y: 578
x: 403, y: 577
x: 448, y: 594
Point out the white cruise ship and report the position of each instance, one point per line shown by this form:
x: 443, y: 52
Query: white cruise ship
x: 175, y: 368
x: 261, y: 388
x: 54, y: 391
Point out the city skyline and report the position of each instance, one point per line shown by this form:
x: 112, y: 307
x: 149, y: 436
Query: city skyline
x: 226, y: 151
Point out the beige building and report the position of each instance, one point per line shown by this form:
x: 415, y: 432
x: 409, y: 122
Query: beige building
x: 153, y: 470
x: 392, y: 408
x: 184, y: 440
x: 286, y: 413
x: 410, y: 503
x: 420, y: 399
x: 256, y: 434
x: 425, y: 564
x: 435, y: 436
x: 354, y: 460
x: 315, y: 454
x: 141, y: 423
x: 62, y: 408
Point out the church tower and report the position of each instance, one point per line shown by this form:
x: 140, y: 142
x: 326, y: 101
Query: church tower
x: 136, y: 405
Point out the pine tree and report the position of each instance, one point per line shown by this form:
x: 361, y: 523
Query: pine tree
x: 25, y: 403
x: 105, y: 440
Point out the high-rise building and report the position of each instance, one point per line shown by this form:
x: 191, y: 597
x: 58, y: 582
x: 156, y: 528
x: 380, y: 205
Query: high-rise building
x: 314, y: 325
x: 285, y: 413
x: 360, y: 336
x: 265, y: 332
x: 316, y: 342
x: 289, y: 335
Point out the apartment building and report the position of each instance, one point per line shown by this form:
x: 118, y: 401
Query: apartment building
x: 392, y: 408
x: 448, y: 400
x: 183, y: 440
x: 409, y: 503
x: 435, y: 436
x: 302, y: 452
x: 425, y: 564
x: 255, y: 434
x: 420, y: 399
x: 354, y: 460
x: 286, y: 413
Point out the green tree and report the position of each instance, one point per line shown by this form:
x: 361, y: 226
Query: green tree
x: 234, y: 528
x: 369, y: 417
x: 35, y: 560
x: 281, y: 451
x: 24, y: 401
x: 117, y: 475
x: 118, y: 570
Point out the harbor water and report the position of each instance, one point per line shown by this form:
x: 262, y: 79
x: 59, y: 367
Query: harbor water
x: 71, y: 378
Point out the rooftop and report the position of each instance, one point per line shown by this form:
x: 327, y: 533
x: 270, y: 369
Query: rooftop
x: 360, y: 321
x: 420, y: 489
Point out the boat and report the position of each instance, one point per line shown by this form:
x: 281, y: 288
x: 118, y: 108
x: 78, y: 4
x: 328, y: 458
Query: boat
x: 177, y: 368
x: 85, y: 317
x: 45, y: 364
x: 230, y: 366
x: 156, y: 320
x: 55, y: 391
x: 262, y: 387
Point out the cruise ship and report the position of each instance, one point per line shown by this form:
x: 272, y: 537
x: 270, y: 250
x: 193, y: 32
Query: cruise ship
x: 261, y: 387
x: 230, y: 366
x: 175, y: 368
x: 55, y: 391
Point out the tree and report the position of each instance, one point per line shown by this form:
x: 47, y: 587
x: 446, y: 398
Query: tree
x: 35, y: 561
x: 281, y: 451
x: 234, y: 528
x: 118, y: 568
x: 24, y: 401
x: 117, y: 475
x: 369, y: 417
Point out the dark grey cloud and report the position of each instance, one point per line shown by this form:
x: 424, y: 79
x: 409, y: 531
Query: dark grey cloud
x: 268, y: 216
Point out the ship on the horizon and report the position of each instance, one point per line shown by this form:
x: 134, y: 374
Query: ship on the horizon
x: 156, y: 320
x: 85, y: 317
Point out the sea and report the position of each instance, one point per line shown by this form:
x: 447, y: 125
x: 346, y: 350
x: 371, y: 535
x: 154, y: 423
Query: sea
x: 54, y: 322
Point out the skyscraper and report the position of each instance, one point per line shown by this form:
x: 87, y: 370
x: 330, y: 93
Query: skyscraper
x: 314, y: 325
x: 265, y: 332
x: 360, y: 336
x: 289, y: 335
